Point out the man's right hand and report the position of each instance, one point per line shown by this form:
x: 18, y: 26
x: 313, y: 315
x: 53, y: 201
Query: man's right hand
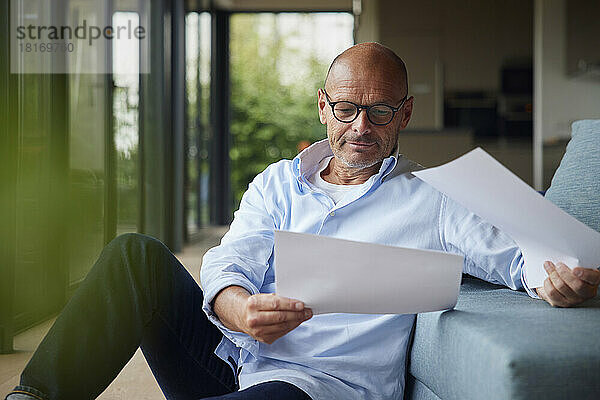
x: 265, y: 317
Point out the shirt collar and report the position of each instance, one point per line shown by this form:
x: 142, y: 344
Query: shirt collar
x: 306, y: 163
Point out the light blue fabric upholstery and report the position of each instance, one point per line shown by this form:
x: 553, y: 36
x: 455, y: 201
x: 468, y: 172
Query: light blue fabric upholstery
x: 576, y: 184
x: 416, y: 390
x: 501, y: 344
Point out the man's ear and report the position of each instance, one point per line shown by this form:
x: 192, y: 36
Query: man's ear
x: 406, y: 112
x: 321, y: 104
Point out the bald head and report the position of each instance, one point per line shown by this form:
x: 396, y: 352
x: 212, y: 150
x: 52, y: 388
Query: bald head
x: 368, y: 59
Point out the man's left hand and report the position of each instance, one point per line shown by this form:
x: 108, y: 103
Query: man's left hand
x: 565, y: 287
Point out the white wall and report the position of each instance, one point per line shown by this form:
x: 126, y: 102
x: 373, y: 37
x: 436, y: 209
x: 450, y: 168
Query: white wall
x: 558, y: 99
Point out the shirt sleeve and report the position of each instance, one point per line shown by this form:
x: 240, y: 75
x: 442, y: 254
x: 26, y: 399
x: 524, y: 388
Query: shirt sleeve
x: 241, y: 259
x: 489, y: 253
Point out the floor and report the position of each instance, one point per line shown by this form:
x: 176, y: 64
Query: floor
x: 135, y: 381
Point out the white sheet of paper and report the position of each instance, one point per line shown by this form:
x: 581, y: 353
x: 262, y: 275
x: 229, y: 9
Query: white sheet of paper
x: 341, y: 276
x: 541, y: 229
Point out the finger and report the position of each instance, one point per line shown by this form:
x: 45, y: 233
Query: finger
x: 280, y: 317
x: 540, y: 292
x: 281, y: 329
x: 270, y: 333
x: 559, y: 284
x: 589, y: 275
x: 567, y: 283
x: 583, y: 289
x: 553, y: 296
x: 544, y: 296
x: 273, y: 302
x: 260, y: 319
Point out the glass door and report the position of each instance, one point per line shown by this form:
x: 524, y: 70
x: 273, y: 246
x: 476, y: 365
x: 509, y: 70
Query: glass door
x: 126, y: 127
x: 197, y: 121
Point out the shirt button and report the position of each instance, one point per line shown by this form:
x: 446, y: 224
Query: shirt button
x: 331, y: 214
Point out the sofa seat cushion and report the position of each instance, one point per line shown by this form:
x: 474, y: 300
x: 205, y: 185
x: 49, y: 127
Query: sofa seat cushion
x: 501, y: 344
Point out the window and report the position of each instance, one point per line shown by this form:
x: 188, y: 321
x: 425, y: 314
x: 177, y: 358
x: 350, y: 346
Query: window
x: 278, y: 61
x: 125, y: 111
x: 197, y: 140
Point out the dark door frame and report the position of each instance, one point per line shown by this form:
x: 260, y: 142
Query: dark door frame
x: 8, y: 165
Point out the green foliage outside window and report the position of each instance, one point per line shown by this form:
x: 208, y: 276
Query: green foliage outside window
x: 271, y: 112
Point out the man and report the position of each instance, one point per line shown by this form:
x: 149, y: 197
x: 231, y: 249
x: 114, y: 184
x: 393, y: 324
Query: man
x: 354, y: 185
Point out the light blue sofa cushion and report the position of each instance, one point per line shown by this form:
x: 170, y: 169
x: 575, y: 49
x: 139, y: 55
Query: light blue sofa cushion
x: 576, y: 184
x: 501, y: 344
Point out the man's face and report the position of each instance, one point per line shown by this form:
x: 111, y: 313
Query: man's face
x: 361, y: 144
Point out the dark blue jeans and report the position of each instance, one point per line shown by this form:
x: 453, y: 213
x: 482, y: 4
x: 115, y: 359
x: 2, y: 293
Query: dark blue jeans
x: 137, y: 295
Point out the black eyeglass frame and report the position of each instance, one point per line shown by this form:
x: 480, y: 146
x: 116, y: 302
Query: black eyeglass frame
x: 360, y: 107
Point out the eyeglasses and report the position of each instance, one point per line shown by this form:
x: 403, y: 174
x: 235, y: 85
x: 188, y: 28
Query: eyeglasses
x: 378, y: 114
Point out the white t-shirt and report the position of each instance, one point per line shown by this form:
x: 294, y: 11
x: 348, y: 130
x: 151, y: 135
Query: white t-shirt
x: 336, y: 192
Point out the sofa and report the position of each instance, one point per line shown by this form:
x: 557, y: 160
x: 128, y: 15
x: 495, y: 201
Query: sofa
x: 501, y: 344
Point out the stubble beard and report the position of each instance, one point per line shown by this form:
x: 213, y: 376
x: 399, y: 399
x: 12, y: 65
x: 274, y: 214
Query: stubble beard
x: 357, y: 164
x: 361, y: 164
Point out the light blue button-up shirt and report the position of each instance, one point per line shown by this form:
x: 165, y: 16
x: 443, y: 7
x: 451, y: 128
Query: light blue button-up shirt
x: 343, y: 356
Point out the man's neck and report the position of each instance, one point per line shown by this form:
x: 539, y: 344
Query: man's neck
x: 339, y: 173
